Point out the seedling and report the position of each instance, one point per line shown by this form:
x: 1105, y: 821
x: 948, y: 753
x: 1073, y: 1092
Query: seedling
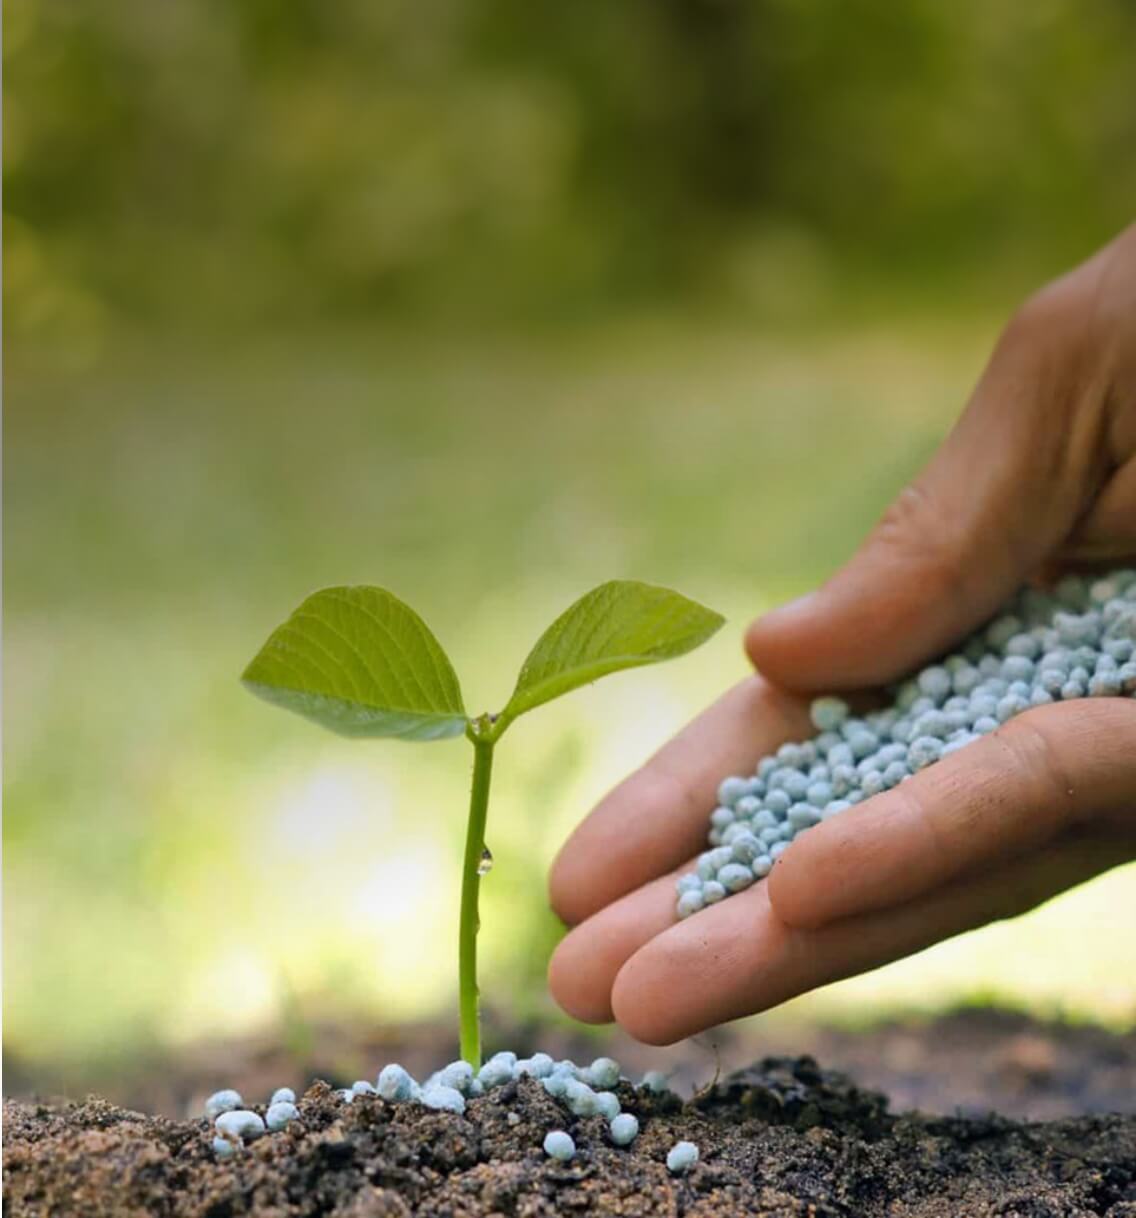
x: 360, y: 662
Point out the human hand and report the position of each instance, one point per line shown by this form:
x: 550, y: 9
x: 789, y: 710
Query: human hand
x: 1038, y: 476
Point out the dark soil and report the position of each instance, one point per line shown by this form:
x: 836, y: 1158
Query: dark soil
x: 781, y: 1138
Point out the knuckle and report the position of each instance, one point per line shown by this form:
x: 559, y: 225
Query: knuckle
x: 946, y: 826
x: 1038, y: 751
x: 1051, y: 314
x: 912, y: 528
x: 669, y: 792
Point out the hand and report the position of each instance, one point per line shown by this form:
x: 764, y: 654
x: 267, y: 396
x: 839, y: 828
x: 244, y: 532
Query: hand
x: 1038, y: 476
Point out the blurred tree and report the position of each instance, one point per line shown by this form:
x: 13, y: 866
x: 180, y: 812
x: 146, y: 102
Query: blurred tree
x: 251, y: 162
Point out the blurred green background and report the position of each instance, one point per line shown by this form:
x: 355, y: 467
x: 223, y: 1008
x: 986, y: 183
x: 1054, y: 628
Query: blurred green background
x: 485, y: 303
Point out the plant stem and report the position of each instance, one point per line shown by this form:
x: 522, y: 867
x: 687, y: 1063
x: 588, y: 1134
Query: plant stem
x: 471, y: 886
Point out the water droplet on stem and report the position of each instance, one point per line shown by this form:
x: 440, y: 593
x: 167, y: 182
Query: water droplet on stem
x: 486, y: 864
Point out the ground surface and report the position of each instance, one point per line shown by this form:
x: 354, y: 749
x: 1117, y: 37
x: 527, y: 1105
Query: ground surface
x: 781, y: 1138
x: 967, y: 1062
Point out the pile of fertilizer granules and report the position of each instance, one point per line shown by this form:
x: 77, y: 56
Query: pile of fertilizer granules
x: 585, y: 1091
x: 1077, y: 641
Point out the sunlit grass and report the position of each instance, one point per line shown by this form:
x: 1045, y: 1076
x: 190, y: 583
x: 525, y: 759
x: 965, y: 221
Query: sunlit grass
x: 181, y: 862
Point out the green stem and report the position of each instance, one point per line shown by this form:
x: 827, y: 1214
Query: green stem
x: 471, y: 886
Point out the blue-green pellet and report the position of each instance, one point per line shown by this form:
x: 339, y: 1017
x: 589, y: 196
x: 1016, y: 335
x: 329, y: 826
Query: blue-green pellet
x: 580, y: 1098
x: 778, y: 803
x: 603, y: 1073
x: 791, y: 755
x: 730, y: 791
x: 690, y: 903
x: 819, y: 794
x: 924, y: 751
x: 222, y: 1101
x: 966, y: 681
x: 1011, y: 705
x: 538, y: 1066
x: 1017, y: 668
x: 495, y: 1073
x: 873, y: 783
x: 840, y: 754
x: 394, y: 1083
x: 279, y: 1114
x: 1105, y: 684
x: 828, y: 714
x: 802, y: 816
x: 935, y: 682
x: 745, y: 848
x: 721, y: 817
x: 734, y: 877
x: 681, y: 1157
x: 795, y: 786
x: 558, y: 1144
x: 931, y: 723
x: 747, y: 806
x: 734, y: 832
x: 863, y: 743
x: 624, y: 1129
x: 556, y: 1084
x: 443, y: 1098
x: 239, y: 1124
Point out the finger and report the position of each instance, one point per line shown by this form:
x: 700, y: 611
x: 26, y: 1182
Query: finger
x: 1004, y: 490
x: 738, y: 957
x: 585, y: 963
x: 1009, y: 792
x: 658, y: 817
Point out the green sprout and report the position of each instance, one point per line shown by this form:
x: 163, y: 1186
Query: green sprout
x: 360, y: 662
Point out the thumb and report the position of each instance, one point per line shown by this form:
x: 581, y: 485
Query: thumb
x: 1004, y: 490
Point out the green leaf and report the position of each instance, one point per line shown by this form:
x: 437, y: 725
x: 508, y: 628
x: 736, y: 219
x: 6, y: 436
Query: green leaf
x: 359, y: 661
x: 621, y: 624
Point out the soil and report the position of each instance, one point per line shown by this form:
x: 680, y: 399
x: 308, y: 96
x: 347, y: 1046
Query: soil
x: 783, y: 1137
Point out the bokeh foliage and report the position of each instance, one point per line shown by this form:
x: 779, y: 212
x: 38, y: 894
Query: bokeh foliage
x: 243, y: 160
